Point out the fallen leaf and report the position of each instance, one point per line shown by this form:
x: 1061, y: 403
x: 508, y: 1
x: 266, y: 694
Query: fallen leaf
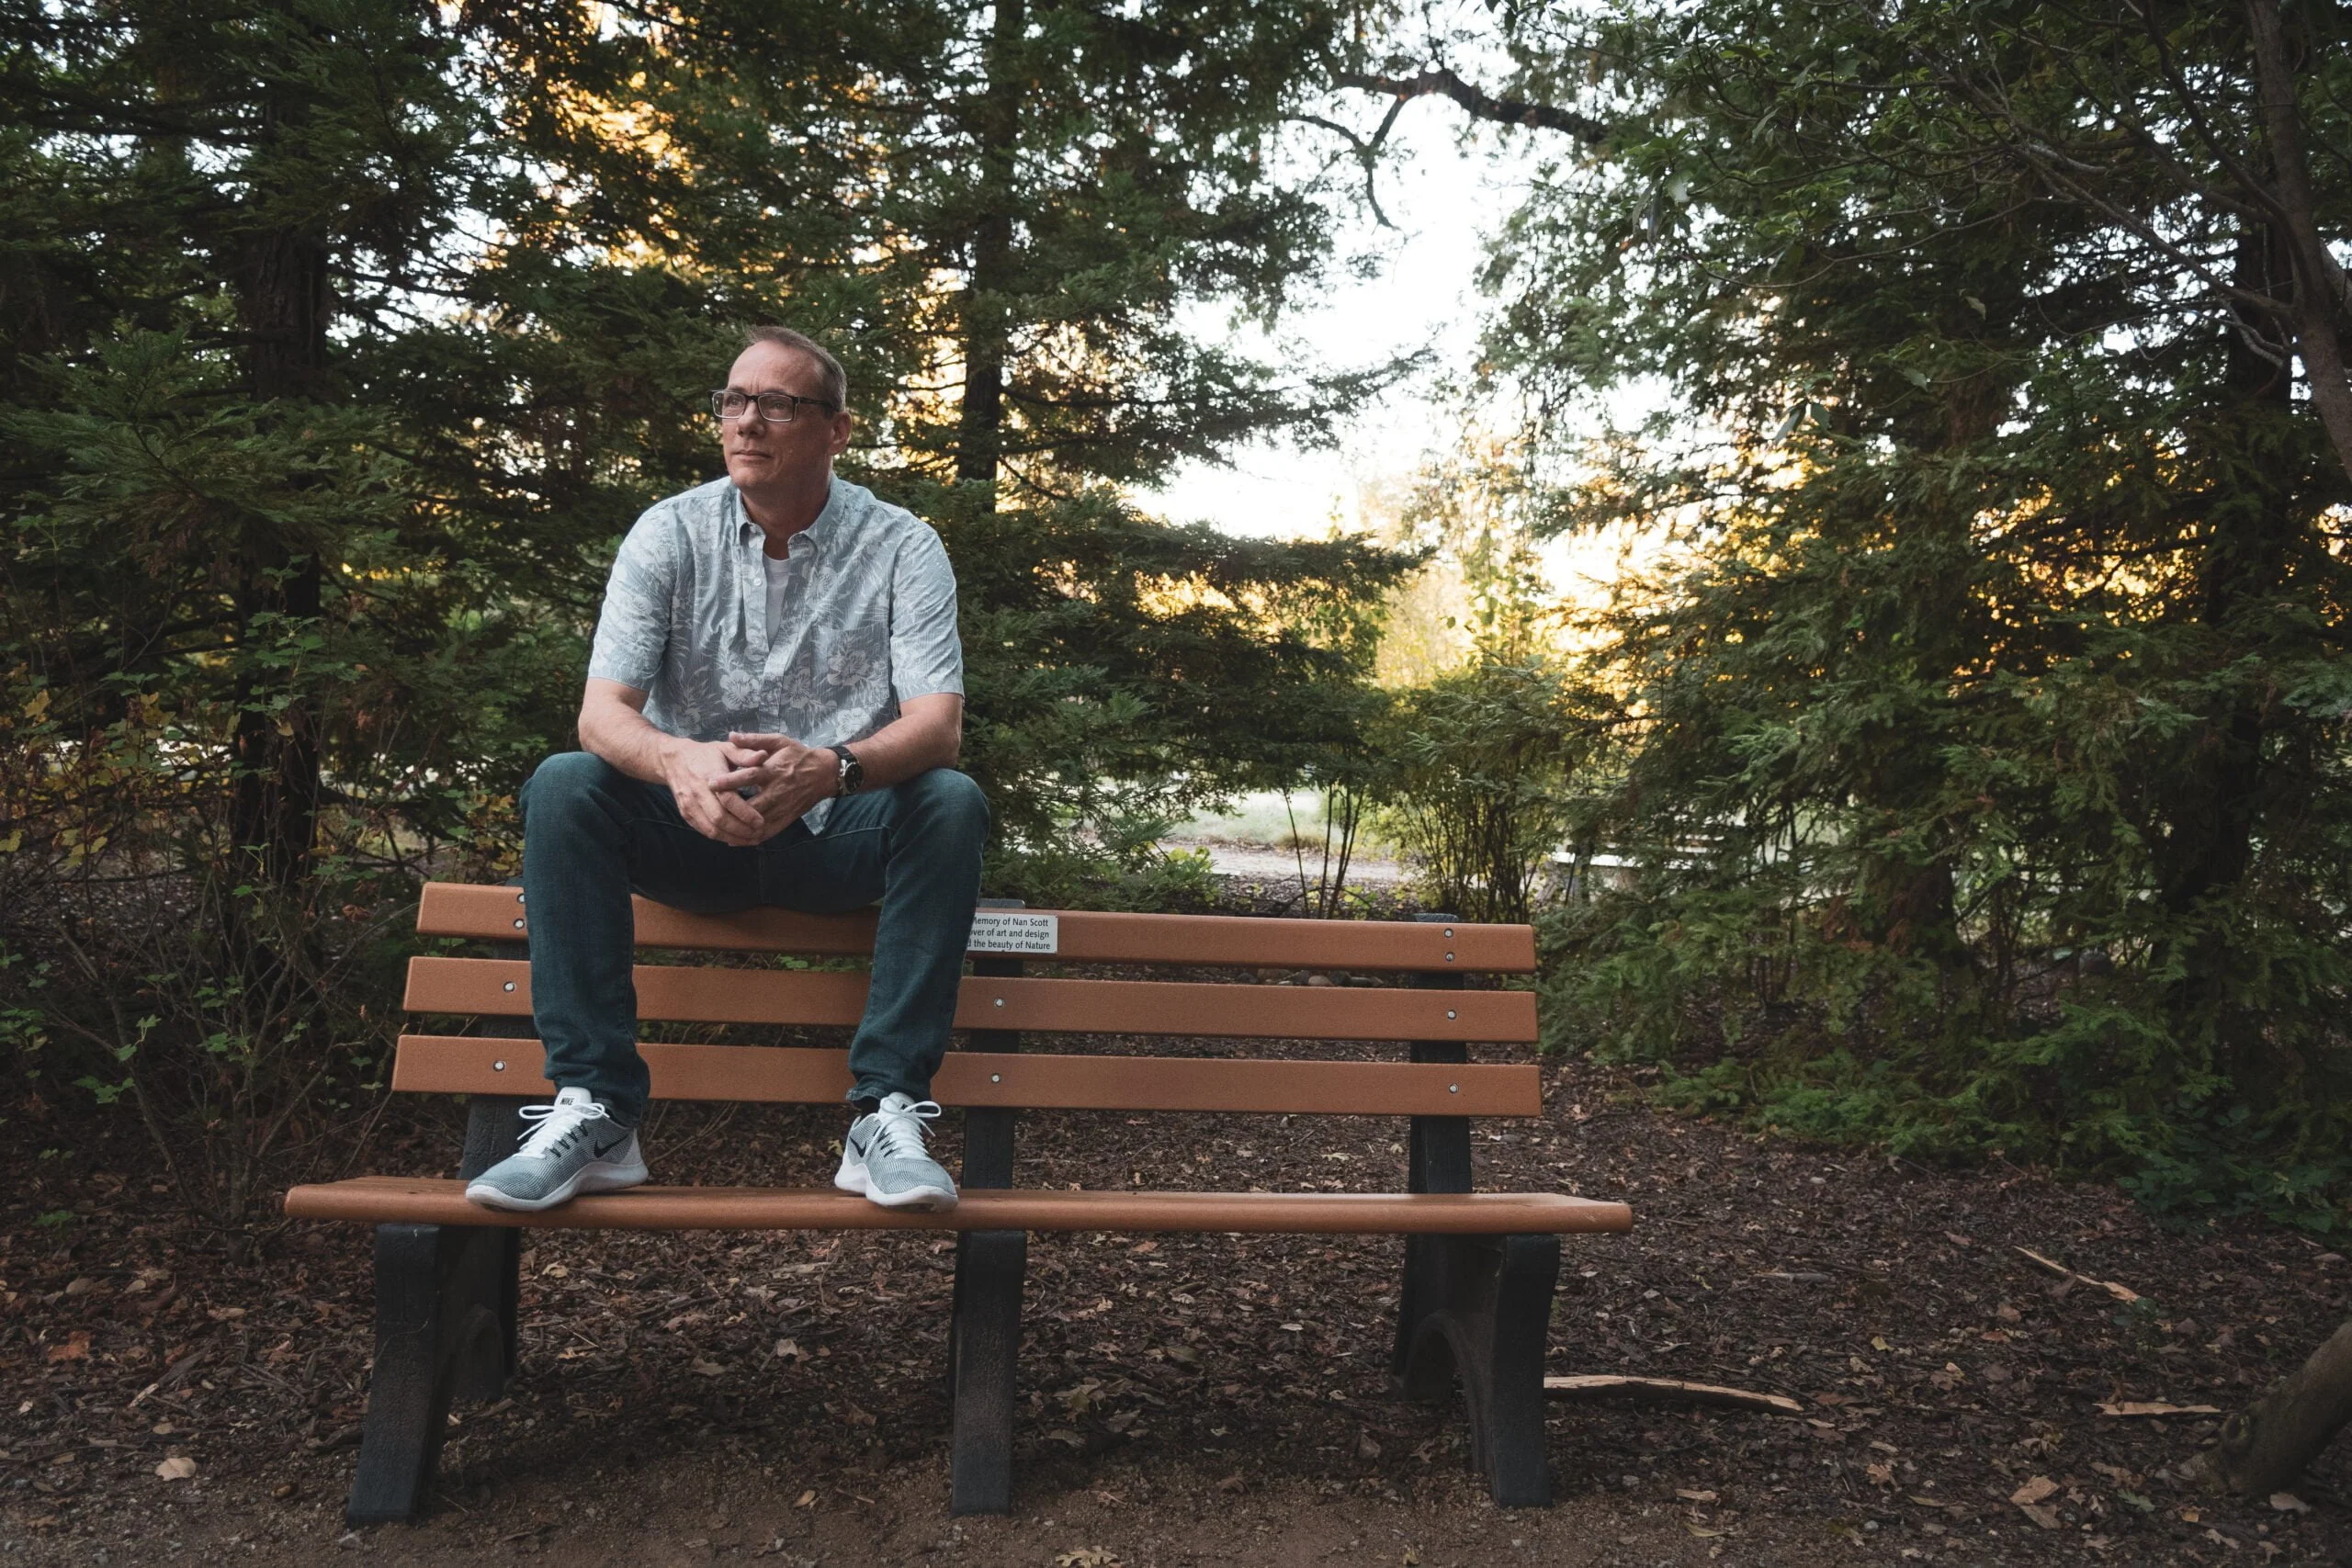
x: 1367, y: 1447
x: 1703, y: 1534
x: 1878, y: 1342
x: 179, y: 1467
x: 2047, y: 1517
x: 789, y: 1350
x: 1232, y: 1483
x: 2155, y: 1408
x: 1085, y: 1557
x: 227, y: 1314
x: 75, y: 1349
x: 807, y: 1499
x: 855, y: 1416
x: 707, y: 1368
x: 2287, y: 1503
x: 1881, y: 1474
x: 1064, y: 1435
x: 1690, y: 1496
x: 2034, y: 1491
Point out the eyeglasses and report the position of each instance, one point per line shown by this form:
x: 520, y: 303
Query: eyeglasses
x: 777, y: 408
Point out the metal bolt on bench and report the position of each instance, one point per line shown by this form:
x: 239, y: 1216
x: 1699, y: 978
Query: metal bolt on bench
x: 1479, y: 1267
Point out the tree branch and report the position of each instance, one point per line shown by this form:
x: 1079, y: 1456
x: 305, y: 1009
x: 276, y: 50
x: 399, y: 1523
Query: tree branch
x: 1441, y: 80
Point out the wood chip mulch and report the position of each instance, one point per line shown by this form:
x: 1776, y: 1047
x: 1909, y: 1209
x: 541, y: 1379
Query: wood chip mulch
x: 706, y: 1397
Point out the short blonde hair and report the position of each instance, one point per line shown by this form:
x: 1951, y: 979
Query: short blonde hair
x: 833, y: 381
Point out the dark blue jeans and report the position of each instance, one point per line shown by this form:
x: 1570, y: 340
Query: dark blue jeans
x: 592, y: 835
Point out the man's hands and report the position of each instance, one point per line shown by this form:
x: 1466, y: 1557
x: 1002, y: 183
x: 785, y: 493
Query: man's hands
x: 785, y: 777
x: 708, y: 778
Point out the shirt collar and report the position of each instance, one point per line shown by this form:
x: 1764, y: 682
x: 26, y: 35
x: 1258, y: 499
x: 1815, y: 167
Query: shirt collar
x: 818, y: 532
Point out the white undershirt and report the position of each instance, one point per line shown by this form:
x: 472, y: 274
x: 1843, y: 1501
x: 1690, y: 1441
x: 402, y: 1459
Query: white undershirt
x: 776, y: 570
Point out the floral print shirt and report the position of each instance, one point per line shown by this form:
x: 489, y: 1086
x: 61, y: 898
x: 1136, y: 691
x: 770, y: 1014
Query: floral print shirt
x: 869, y: 620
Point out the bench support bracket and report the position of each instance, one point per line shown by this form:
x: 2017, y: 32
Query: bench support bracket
x: 1481, y: 1307
x: 983, y: 1351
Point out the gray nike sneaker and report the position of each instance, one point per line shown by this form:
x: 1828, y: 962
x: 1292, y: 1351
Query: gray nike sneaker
x: 575, y: 1148
x: 884, y: 1157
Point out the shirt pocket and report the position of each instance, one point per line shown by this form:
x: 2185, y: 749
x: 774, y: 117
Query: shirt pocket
x: 854, y: 661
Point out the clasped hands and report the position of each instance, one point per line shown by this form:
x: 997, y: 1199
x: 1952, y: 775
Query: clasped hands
x: 708, y: 780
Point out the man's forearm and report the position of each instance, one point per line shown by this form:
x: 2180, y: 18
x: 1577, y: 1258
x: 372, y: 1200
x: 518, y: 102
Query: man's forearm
x: 911, y: 744
x: 623, y: 737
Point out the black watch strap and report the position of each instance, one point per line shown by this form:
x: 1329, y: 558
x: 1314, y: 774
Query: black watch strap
x: 851, y: 776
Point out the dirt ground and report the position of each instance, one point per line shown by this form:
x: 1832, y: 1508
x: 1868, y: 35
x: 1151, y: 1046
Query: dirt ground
x: 1191, y: 1398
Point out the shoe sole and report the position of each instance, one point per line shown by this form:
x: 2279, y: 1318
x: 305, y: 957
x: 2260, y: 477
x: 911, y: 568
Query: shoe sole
x: 596, y: 1178
x: 856, y: 1180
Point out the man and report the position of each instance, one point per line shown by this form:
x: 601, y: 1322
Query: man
x: 774, y: 709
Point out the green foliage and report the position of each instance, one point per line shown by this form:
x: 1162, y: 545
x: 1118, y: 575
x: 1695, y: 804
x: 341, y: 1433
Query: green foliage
x: 1483, y: 783
x: 1985, y: 752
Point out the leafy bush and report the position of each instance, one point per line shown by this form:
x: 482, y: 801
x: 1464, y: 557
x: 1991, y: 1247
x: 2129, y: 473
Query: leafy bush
x: 1484, y: 780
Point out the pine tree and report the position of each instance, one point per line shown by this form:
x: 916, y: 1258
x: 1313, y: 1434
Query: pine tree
x: 1986, y: 765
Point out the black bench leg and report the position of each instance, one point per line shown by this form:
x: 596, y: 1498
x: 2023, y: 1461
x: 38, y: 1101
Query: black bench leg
x: 983, y: 1349
x: 443, y: 1327
x: 1481, y: 1307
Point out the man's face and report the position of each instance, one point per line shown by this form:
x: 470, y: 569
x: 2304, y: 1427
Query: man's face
x: 760, y: 454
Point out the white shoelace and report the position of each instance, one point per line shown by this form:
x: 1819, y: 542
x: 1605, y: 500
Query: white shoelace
x: 903, y: 1132
x: 556, y: 1123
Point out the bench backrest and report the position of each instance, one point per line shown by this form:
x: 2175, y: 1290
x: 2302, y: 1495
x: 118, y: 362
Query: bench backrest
x: 1436, y: 1018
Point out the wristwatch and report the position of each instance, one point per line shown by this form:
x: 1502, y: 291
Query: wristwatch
x: 852, y: 777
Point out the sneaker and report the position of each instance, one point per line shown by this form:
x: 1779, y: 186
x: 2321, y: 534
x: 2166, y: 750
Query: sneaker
x: 884, y: 1157
x: 576, y: 1147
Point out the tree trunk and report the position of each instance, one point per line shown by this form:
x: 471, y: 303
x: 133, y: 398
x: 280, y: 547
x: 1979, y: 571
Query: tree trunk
x: 2264, y: 1447
x: 986, y: 337
x: 2211, y: 798
x: 286, y: 301
x: 2319, y: 292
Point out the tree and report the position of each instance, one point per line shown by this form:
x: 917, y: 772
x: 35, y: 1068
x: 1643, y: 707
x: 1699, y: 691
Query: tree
x: 1986, y: 748
x: 297, y: 543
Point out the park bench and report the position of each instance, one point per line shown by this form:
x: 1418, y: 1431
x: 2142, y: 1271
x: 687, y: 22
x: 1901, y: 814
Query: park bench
x: 1478, y: 1267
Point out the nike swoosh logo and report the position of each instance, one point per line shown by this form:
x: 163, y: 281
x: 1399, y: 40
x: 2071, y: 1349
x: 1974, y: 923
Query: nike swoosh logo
x: 600, y: 1152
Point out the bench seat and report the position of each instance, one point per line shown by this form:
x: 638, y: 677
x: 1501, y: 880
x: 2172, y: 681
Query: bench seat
x: 402, y: 1199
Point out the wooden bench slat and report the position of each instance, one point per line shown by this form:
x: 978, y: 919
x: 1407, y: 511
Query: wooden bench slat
x: 459, y: 909
x: 683, y: 994
x: 446, y: 1064
x: 426, y: 1201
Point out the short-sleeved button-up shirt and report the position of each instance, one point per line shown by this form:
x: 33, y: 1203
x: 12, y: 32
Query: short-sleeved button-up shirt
x: 869, y: 620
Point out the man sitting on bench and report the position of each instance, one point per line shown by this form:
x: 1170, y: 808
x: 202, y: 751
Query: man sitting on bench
x: 754, y: 630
